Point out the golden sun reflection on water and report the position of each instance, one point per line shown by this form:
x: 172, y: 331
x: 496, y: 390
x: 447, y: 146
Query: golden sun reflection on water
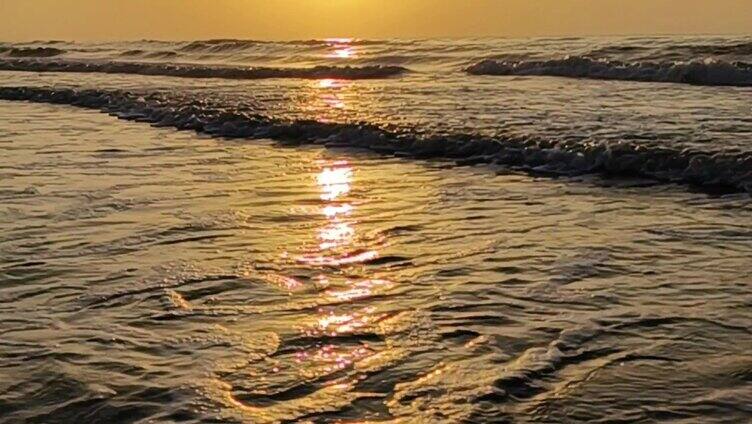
x: 344, y: 52
x: 288, y: 283
x: 328, y: 83
x: 329, y: 99
x: 334, y: 181
x: 359, y: 290
x: 337, y: 237
x: 339, y: 40
x: 332, y: 211
x: 334, y: 102
x: 332, y: 98
x: 338, y: 240
x: 330, y: 358
x: 333, y: 325
x: 338, y: 331
x: 341, y: 48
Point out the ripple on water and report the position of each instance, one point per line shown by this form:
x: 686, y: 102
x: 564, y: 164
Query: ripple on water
x: 237, y: 282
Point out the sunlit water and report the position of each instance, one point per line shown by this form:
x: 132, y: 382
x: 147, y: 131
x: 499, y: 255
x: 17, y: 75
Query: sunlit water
x: 675, y: 109
x: 327, y: 260
x: 154, y: 275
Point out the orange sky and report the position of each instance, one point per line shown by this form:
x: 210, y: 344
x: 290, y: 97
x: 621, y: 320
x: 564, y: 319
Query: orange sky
x: 295, y: 19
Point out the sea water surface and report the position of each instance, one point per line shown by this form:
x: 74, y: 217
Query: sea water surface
x: 343, y: 230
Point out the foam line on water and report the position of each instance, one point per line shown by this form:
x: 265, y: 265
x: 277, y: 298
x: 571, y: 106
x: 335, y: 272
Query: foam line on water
x: 706, y: 168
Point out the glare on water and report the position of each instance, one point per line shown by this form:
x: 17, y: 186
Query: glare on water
x: 159, y: 275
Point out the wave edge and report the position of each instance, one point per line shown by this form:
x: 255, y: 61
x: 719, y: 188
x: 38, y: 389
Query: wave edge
x: 202, y: 72
x: 731, y: 171
x: 705, y: 73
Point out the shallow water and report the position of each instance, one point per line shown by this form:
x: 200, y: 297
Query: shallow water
x: 151, y: 275
x: 479, y: 230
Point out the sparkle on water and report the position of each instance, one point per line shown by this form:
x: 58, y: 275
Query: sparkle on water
x: 159, y: 276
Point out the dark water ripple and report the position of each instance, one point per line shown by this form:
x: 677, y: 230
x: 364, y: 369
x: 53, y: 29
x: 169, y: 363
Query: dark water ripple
x: 152, y: 275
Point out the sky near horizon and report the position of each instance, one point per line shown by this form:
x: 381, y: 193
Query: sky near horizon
x: 301, y: 19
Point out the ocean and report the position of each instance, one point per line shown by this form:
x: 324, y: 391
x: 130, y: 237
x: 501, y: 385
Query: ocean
x: 361, y: 231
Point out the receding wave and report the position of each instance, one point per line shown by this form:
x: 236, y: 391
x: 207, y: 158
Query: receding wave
x: 710, y: 73
x: 33, y: 52
x: 717, y: 169
x: 199, y: 71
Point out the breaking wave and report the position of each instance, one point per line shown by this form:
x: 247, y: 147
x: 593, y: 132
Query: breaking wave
x: 706, y: 168
x: 709, y: 73
x: 199, y: 71
x: 32, y: 51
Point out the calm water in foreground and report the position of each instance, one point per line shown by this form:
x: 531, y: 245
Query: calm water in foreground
x: 311, y: 250
x: 150, y: 275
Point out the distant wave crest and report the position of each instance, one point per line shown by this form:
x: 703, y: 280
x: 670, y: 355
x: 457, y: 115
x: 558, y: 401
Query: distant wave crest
x: 688, y: 50
x: 232, y: 45
x: 162, y: 54
x: 741, y: 48
x: 219, y: 45
x: 710, y: 73
x: 199, y: 71
x: 706, y: 168
x: 32, y: 51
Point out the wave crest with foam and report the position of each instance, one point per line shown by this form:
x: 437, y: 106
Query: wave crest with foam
x: 32, y: 51
x: 705, y: 168
x: 201, y: 71
x: 709, y: 72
